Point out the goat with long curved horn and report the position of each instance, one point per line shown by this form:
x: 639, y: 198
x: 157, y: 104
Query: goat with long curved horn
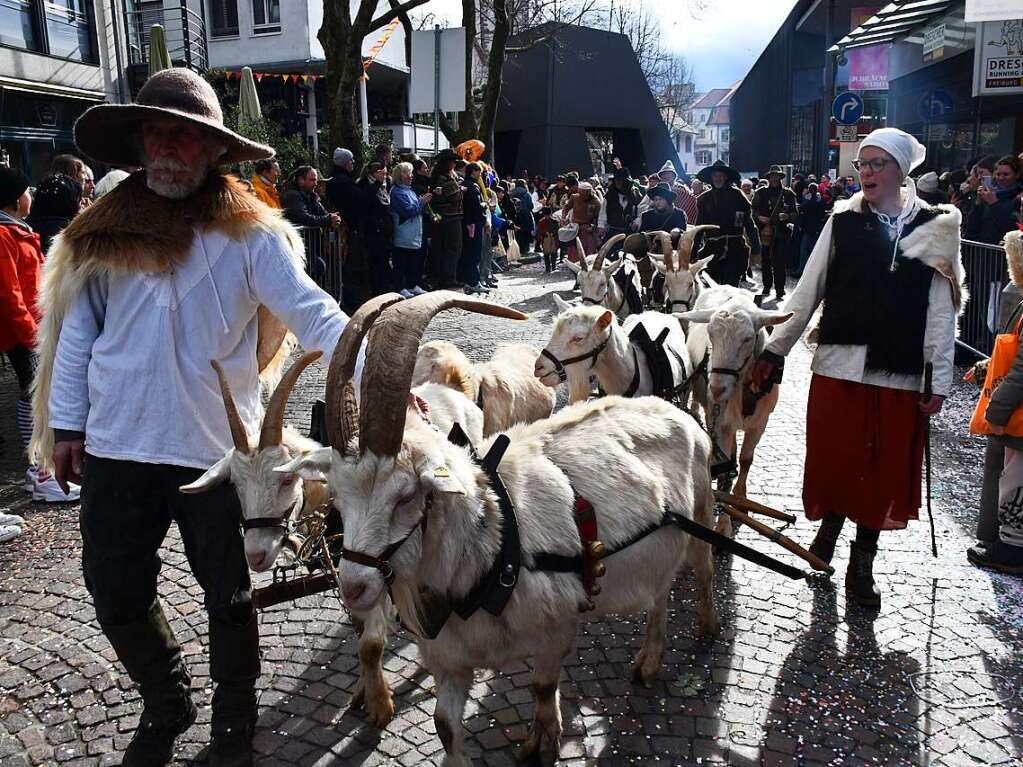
x: 580, y: 250
x: 238, y: 434
x: 662, y: 240
x: 685, y: 244
x: 342, y: 409
x: 391, y: 359
x: 273, y: 419
x: 606, y: 248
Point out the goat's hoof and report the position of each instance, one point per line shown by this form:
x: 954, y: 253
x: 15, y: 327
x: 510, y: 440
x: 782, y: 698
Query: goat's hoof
x: 379, y: 709
x: 709, y: 626
x: 540, y: 748
x: 644, y: 670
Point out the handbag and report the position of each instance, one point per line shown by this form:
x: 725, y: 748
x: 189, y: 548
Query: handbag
x: 1002, y: 358
x: 568, y: 230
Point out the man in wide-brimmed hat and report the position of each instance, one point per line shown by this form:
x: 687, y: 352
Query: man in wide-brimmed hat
x: 619, y: 206
x: 725, y: 206
x: 775, y: 207
x: 177, y: 266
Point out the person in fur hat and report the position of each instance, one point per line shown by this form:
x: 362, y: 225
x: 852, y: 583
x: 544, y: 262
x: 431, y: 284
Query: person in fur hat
x: 888, y: 270
x: 177, y: 266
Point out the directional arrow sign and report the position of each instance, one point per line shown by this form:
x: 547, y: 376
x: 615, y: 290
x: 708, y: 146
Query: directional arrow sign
x: 847, y: 108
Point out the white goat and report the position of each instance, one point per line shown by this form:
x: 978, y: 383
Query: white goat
x: 736, y: 328
x: 268, y: 495
x: 681, y: 283
x: 632, y: 459
x: 587, y: 340
x: 596, y: 277
x: 504, y: 385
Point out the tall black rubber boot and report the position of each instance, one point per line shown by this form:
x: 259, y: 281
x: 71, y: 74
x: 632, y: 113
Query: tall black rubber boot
x: 151, y: 654
x: 234, y: 667
x: 859, y: 578
x: 824, y: 542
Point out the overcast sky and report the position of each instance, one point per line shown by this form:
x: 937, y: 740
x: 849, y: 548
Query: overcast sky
x: 722, y: 42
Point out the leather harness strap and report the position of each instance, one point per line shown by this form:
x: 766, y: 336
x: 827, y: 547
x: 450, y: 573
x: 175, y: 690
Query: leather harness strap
x: 260, y: 523
x: 559, y: 365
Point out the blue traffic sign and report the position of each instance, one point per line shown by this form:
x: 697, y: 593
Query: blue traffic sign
x: 847, y: 108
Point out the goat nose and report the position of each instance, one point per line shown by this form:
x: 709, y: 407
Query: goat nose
x: 352, y: 591
x: 717, y: 392
x: 256, y: 560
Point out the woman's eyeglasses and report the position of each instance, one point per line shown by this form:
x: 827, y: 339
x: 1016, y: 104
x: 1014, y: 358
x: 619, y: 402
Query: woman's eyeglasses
x: 877, y: 164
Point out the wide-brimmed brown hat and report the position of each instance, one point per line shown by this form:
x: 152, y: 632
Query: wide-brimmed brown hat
x: 706, y: 173
x: 102, y: 132
x: 775, y: 170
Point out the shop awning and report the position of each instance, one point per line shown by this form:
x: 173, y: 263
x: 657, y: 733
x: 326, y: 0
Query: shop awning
x: 31, y: 86
x: 894, y: 21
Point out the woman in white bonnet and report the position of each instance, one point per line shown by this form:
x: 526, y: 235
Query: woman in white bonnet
x: 888, y: 270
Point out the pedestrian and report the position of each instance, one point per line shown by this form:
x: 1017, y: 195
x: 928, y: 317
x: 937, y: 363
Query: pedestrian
x: 927, y: 189
x: 264, y: 183
x: 58, y: 199
x: 747, y: 189
x: 138, y: 321
x: 558, y: 194
x: 725, y: 206
x: 21, y: 262
x: 88, y: 186
x: 888, y: 270
x: 377, y: 226
x: 775, y: 209
x: 408, y: 210
x: 473, y: 219
x: 109, y: 181
x: 994, y: 208
x: 302, y: 207
x: 813, y: 213
x: 619, y: 207
x: 661, y: 216
x: 447, y: 203
x: 685, y: 200
x: 349, y: 202
x: 584, y: 209
x: 524, y: 222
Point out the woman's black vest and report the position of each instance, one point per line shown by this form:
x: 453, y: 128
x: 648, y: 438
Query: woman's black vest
x: 871, y: 301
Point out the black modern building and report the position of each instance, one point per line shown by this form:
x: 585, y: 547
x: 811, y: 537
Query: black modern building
x: 575, y: 100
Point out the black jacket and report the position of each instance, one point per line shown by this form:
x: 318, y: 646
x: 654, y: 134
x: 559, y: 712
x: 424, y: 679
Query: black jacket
x: 990, y: 223
x: 304, y: 208
x: 813, y: 213
x: 473, y: 206
x: 377, y: 221
x: 346, y: 198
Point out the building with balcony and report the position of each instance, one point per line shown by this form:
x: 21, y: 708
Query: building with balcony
x: 56, y: 60
x: 710, y: 119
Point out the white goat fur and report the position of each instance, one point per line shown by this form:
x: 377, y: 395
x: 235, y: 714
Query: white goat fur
x: 510, y: 392
x: 597, y: 285
x: 735, y: 326
x: 579, y: 329
x: 631, y: 458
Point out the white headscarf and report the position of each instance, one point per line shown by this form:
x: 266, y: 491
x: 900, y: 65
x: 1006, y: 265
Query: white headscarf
x: 907, y: 151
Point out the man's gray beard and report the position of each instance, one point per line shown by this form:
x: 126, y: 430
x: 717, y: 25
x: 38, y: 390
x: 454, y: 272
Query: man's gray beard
x: 175, y: 190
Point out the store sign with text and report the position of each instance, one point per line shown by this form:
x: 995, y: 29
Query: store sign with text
x: 868, y: 68
x: 934, y: 42
x: 991, y: 10
x: 998, y: 58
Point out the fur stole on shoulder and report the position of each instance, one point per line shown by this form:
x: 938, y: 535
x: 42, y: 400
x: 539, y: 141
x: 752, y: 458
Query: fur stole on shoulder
x: 935, y: 243
x: 132, y: 229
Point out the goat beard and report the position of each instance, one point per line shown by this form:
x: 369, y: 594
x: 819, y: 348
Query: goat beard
x: 174, y: 179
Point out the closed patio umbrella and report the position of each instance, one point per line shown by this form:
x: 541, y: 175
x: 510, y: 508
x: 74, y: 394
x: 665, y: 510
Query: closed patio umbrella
x: 248, y: 99
x: 159, y: 56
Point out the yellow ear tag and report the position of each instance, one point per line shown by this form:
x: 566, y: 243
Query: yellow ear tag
x: 441, y: 471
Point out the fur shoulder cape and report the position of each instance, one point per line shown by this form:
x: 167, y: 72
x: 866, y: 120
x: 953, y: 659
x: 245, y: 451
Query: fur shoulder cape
x: 132, y: 229
x: 935, y: 243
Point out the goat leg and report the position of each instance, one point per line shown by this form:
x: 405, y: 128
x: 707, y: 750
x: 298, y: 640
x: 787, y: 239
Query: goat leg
x: 372, y: 691
x: 452, y: 692
x: 648, y: 660
x: 544, y: 739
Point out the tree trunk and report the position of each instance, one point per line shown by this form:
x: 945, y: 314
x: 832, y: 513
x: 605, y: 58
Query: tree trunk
x: 495, y: 66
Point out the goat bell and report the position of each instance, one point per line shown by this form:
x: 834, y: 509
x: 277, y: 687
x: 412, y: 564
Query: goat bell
x: 597, y: 549
x: 599, y: 569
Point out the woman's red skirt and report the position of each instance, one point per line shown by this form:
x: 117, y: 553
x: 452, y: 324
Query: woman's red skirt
x: 864, y: 451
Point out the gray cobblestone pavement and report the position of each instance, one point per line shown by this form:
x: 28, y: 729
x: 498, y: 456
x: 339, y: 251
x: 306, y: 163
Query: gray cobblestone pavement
x: 795, y: 678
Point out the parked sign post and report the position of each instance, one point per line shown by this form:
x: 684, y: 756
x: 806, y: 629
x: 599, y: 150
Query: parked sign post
x: 438, y: 74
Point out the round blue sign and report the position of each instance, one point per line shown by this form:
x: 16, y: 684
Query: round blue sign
x: 847, y: 108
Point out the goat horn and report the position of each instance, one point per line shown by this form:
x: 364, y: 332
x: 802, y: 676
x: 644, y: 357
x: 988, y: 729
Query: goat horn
x: 580, y: 249
x: 273, y: 420
x: 687, y: 240
x: 664, y: 239
x: 342, y: 410
x: 238, y: 434
x: 605, y: 249
x: 391, y: 359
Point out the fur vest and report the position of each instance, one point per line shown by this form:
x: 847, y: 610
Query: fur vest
x: 132, y: 229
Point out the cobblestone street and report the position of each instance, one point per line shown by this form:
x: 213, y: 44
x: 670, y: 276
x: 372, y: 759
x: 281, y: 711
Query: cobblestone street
x: 795, y: 677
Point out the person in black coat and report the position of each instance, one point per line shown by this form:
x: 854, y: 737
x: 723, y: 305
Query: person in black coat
x: 661, y: 216
x: 473, y: 218
x: 57, y: 200
x: 994, y: 210
x: 524, y: 222
x: 303, y: 208
x: 813, y: 212
x: 377, y: 226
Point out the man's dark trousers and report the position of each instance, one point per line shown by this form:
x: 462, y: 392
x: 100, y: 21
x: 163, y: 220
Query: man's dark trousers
x: 127, y: 509
x: 773, y: 264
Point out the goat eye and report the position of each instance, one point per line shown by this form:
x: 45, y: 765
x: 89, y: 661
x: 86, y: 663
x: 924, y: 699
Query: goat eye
x: 287, y: 480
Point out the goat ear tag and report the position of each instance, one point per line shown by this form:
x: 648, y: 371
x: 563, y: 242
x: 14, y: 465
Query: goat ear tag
x: 441, y: 472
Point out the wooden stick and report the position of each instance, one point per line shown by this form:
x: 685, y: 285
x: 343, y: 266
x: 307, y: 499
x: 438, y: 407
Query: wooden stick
x: 771, y: 534
x: 747, y: 505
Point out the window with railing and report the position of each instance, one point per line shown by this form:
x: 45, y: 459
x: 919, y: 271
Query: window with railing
x: 56, y: 27
x: 224, y: 18
x: 266, y: 17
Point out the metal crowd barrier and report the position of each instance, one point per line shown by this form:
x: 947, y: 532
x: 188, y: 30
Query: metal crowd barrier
x: 324, y: 254
x: 986, y: 275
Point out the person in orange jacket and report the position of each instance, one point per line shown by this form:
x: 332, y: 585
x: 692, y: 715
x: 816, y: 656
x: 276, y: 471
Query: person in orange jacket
x: 264, y: 183
x: 21, y: 263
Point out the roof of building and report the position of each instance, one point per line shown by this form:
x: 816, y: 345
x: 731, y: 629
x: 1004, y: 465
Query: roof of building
x: 719, y: 116
x: 712, y: 98
x: 675, y: 122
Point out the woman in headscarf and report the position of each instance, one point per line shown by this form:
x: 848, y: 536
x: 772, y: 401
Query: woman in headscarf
x: 58, y: 200
x: 888, y: 269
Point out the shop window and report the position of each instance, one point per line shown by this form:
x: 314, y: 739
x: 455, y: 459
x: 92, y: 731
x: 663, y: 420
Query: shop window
x: 224, y: 18
x: 266, y: 17
x: 17, y: 24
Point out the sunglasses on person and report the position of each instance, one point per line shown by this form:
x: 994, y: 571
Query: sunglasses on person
x: 877, y: 164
